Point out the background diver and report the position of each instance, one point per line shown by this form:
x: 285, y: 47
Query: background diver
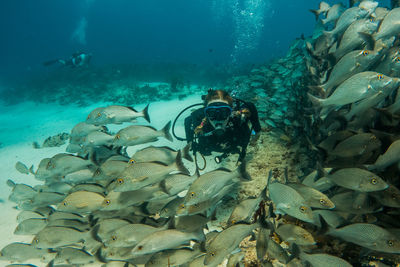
x: 222, y: 125
x: 78, y: 59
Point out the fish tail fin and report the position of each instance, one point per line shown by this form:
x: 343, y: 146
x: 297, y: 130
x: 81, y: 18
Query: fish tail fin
x: 166, y: 131
x: 315, y: 12
x: 369, y: 40
x: 163, y: 187
x: 179, y: 164
x: 10, y: 183
x: 31, y: 170
x: 186, y: 153
x: 314, y: 100
x: 243, y: 174
x: 318, y: 90
x: 199, y: 235
x: 145, y: 112
x: 370, y: 167
x: 104, y: 129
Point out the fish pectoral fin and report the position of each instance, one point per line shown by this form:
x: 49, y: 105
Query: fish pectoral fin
x: 142, y: 178
x: 81, y: 205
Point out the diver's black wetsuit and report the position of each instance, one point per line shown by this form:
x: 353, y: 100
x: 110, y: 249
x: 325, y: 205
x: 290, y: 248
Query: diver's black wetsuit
x: 233, y: 140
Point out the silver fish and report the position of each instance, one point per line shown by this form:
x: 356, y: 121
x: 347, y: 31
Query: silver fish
x: 117, y: 115
x: 226, y: 242
x: 55, y: 236
x: 356, y: 145
x: 20, y: 192
x: 19, y: 166
x: 295, y: 234
x: 175, y: 183
x: 332, y: 218
x: 289, y: 201
x: 352, y: 63
x: 349, y: 16
x: 63, y: 163
x: 162, y: 240
x: 104, y: 227
x: 73, y: 256
x: 129, y: 235
x: 333, y: 13
x: 30, y: 226
x: 174, y: 257
x: 97, y: 138
x: 21, y: 252
x: 245, y: 209
x: 369, y: 236
x: 209, y: 184
x: 351, y: 39
x: 357, y: 87
x: 163, y: 154
x: 390, y: 25
x: 391, y: 156
x: 390, y: 197
x: 344, y: 202
x: 138, y: 175
x: 81, y: 201
x: 358, y: 179
x: 28, y: 214
x: 322, y: 259
x: 136, y: 135
x: 82, y: 129
x: 314, y: 198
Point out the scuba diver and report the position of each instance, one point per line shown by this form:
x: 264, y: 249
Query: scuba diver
x: 78, y: 59
x: 222, y: 125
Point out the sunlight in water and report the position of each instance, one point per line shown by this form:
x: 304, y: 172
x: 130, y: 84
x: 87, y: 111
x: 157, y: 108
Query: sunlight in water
x: 248, y: 18
x: 79, y: 34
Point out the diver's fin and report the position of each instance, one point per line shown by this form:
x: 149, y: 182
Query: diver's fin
x: 50, y: 62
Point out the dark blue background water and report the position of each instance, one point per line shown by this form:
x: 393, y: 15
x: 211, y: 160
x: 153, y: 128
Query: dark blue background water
x: 133, y: 31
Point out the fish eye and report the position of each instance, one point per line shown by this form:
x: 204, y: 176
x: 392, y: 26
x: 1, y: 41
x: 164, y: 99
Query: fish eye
x: 212, y: 254
x: 132, y: 161
x: 390, y: 243
x: 192, y: 194
x: 140, y: 247
x: 111, y: 254
x: 371, y: 20
x: 98, y: 114
x: 397, y: 59
x: 365, y: 52
x: 97, y: 172
x: 322, y: 202
x: 36, y: 240
x: 374, y: 181
x: 107, y: 201
x: 88, y: 117
x: 120, y: 181
x: 305, y: 236
x: 380, y: 76
x: 65, y: 203
x: 303, y: 209
x: 113, y: 238
x: 182, y: 206
x: 394, y: 196
x: 117, y: 136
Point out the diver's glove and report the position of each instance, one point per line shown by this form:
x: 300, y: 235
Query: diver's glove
x: 254, y: 138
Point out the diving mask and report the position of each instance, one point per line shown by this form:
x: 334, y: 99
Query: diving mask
x: 217, y: 111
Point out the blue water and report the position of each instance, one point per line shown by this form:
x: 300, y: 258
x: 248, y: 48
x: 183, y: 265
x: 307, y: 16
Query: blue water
x: 151, y: 31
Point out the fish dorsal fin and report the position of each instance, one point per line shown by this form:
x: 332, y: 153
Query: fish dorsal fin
x: 131, y: 108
